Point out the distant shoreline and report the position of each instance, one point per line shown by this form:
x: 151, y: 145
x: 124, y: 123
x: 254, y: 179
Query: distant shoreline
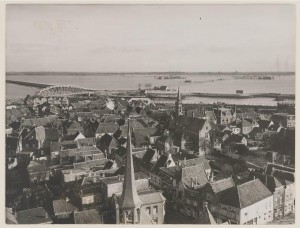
x: 146, y: 73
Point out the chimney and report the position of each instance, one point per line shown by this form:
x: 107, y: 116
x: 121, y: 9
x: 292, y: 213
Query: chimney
x: 193, y: 184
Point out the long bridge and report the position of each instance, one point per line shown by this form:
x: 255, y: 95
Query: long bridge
x: 63, y: 90
x: 53, y: 90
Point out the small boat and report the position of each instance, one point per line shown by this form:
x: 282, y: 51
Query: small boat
x: 187, y: 81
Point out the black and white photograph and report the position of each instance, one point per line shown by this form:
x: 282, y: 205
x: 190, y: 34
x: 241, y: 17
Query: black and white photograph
x: 150, y: 113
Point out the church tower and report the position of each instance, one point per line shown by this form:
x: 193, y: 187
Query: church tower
x: 178, y: 105
x: 130, y: 203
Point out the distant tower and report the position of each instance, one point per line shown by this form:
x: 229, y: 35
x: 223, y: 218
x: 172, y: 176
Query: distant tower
x: 178, y: 105
x: 130, y: 203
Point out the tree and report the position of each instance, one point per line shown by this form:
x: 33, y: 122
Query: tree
x: 205, y: 146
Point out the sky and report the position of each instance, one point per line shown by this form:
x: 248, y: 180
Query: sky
x: 150, y: 38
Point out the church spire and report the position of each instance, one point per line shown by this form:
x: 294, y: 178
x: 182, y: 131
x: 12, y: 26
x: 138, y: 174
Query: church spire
x: 178, y: 104
x: 178, y: 95
x: 129, y: 198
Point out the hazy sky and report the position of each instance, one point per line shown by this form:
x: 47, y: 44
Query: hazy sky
x: 132, y: 38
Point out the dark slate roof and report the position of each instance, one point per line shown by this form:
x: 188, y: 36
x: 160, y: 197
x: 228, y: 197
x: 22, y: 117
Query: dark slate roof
x: 33, y: 216
x: 105, y: 140
x: 271, y: 182
x: 107, y: 128
x: 87, y: 217
x: 284, y: 176
x: 63, y: 207
x: 148, y: 156
x: 245, y: 194
x: 205, y: 217
x: 52, y: 134
x: 160, y: 163
x: 264, y: 123
x: 75, y: 126
x: 141, y: 136
x: 271, y: 166
x: 121, y: 151
x: 190, y: 124
x: 237, y: 138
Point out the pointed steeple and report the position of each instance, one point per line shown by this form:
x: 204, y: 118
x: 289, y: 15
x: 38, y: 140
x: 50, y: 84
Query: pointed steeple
x: 178, y: 95
x: 129, y: 198
x: 178, y: 104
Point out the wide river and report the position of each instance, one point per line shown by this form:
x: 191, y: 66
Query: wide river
x: 199, y: 83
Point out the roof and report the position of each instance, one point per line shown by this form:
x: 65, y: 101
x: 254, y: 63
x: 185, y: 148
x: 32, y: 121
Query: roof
x: 63, y: 207
x: 56, y: 146
x: 105, y: 140
x: 111, y: 118
x: 35, y: 167
x: 151, y: 197
x: 284, y: 176
x: 244, y: 123
x: 271, y: 182
x: 194, y: 176
x: 160, y: 163
x: 221, y: 185
x: 237, y: 138
x: 245, y: 194
x: 10, y: 217
x: 141, y: 135
x: 75, y: 126
x: 86, y: 142
x: 87, y: 150
x: 196, y: 161
x: 87, y: 217
x: 33, y: 216
x: 107, y: 128
x: 191, y: 124
x: 91, y: 164
x: 205, y: 217
x: 137, y: 123
x: 39, y: 121
x: 271, y: 166
x: 52, y: 134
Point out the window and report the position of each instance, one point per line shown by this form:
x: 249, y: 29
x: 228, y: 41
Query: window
x: 148, y: 210
x: 155, y: 210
